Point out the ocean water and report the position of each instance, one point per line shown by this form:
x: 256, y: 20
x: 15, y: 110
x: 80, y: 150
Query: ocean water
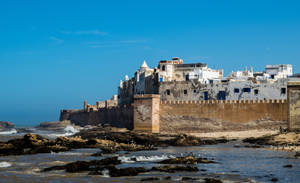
x: 234, y: 164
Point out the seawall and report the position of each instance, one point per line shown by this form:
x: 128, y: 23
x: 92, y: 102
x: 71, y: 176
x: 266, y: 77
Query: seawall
x: 121, y: 117
x: 209, y: 116
x: 149, y: 113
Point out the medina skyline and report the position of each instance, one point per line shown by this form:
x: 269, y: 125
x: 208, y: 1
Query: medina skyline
x: 55, y: 55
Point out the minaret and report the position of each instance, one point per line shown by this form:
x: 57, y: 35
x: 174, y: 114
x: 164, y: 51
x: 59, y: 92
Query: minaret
x: 85, y: 104
x: 144, y: 66
x: 126, y: 78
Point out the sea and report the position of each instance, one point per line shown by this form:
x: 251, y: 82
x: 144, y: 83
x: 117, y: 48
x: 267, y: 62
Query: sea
x: 233, y: 164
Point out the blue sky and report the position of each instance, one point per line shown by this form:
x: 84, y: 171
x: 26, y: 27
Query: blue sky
x: 56, y: 54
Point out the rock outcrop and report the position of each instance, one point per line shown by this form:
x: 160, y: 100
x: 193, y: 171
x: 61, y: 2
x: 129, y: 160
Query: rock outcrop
x: 5, y: 125
x: 56, y: 125
x: 186, y: 160
x: 174, y: 168
x: 285, y: 141
x: 33, y: 144
x: 80, y: 166
x: 147, y: 139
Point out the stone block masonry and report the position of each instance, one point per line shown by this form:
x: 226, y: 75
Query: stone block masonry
x: 214, y: 115
x: 146, y: 113
x: 294, y: 106
x: 121, y: 117
x: 149, y: 113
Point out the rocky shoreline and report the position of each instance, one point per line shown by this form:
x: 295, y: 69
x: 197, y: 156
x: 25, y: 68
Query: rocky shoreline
x: 6, y: 125
x: 112, y: 141
x: 289, y: 141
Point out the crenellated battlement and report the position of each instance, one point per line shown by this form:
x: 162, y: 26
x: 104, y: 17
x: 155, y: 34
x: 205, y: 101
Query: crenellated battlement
x: 176, y: 102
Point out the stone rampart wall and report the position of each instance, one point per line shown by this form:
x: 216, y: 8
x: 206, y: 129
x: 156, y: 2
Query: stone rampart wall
x: 207, y: 116
x: 115, y: 116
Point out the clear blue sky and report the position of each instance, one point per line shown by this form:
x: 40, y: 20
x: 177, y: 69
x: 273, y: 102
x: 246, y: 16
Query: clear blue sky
x: 56, y: 54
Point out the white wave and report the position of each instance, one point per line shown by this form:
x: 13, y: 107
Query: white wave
x: 105, y: 173
x: 69, y: 153
x: 125, y: 159
x: 70, y: 130
x: 153, y: 158
x: 4, y: 164
x: 12, y: 131
x: 133, y: 159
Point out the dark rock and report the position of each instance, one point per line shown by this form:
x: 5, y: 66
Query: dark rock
x: 147, y: 139
x: 79, y: 166
x: 29, y: 144
x: 172, y: 168
x: 72, y: 143
x: 187, y: 140
x: 288, y: 166
x: 131, y: 171
x: 5, y: 125
x: 260, y: 140
x: 150, y: 179
x: 254, y: 146
x: 186, y: 160
x: 274, y: 179
x: 121, y: 137
x: 168, y: 178
x: 189, y: 178
x: 54, y: 168
x: 47, y: 149
x: 32, y: 144
x: 97, y: 154
x: 212, y: 180
x: 297, y: 155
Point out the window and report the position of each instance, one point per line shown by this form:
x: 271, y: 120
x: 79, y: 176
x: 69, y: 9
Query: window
x: 168, y: 92
x: 256, y: 91
x: 195, y: 91
x: 283, y: 91
x: 248, y: 90
x: 236, y: 90
x: 205, y: 95
x: 185, y: 92
x: 163, y: 68
x: 187, y: 77
x: 221, y: 95
x: 118, y: 96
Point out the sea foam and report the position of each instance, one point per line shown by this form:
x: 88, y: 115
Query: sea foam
x: 4, y: 164
x: 70, y: 130
x: 132, y: 159
x: 12, y: 131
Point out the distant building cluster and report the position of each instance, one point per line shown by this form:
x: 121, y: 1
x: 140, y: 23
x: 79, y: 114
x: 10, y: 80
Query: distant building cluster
x: 174, y: 80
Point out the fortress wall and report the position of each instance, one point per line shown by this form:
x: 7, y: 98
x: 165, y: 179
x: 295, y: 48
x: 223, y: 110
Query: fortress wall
x: 149, y: 113
x: 294, y: 105
x: 146, y: 113
x: 116, y: 116
x: 207, y: 116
